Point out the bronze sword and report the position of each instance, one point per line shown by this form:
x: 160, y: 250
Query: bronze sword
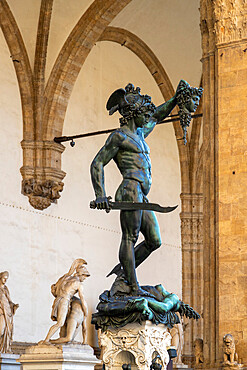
x: 135, y: 206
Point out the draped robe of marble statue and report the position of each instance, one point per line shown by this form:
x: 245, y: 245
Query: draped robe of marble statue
x: 7, y: 311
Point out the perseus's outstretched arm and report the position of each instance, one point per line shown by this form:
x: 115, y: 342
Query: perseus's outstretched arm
x: 106, y: 153
x: 161, y: 112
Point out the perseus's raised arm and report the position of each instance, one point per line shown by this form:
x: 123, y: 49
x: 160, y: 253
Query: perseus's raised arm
x: 163, y: 110
x: 106, y: 153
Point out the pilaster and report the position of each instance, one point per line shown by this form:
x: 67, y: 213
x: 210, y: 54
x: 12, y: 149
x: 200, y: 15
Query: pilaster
x: 224, y: 44
x: 192, y: 273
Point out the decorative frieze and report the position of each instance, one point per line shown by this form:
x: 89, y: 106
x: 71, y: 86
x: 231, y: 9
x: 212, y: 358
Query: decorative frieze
x: 135, y: 344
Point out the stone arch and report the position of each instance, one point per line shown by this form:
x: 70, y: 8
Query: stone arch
x: 142, y: 51
x: 44, y: 109
x: 22, y: 66
x: 70, y: 60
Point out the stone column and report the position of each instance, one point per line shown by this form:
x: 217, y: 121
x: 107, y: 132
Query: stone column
x: 192, y: 273
x: 224, y: 36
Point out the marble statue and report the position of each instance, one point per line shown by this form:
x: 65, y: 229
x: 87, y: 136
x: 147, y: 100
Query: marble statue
x: 177, y: 341
x: 198, y: 351
x: 127, y: 301
x: 229, y: 352
x: 69, y: 311
x: 7, y: 311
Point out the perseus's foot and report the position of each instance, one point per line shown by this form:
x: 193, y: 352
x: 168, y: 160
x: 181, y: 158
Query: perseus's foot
x: 137, y: 291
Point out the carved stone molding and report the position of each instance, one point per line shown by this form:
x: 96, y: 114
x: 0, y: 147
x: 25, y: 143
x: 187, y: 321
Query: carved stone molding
x: 42, y: 174
x: 41, y: 194
x: 141, y: 343
x: 230, y: 20
x: 223, y: 20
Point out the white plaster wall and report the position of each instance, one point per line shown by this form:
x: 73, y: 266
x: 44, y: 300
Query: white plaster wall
x: 38, y: 247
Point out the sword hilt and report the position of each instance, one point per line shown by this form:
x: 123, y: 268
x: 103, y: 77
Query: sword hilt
x: 93, y: 204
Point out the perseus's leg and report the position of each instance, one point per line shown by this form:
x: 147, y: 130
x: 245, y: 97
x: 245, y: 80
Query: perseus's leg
x: 129, y: 191
x: 151, y: 232
x: 130, y: 224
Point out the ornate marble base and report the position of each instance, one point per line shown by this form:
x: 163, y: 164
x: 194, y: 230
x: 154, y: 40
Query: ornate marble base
x: 135, y: 344
x: 8, y: 361
x: 59, y: 357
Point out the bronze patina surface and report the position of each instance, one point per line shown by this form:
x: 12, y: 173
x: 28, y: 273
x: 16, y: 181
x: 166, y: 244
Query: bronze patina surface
x: 127, y: 147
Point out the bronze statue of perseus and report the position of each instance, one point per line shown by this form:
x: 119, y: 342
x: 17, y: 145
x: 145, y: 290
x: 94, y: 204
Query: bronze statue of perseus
x: 127, y: 147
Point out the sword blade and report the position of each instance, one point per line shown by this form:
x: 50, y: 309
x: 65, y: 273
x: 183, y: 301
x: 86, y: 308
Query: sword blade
x: 135, y: 206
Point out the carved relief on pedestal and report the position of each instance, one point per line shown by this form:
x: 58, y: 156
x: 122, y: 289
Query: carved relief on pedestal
x: 142, y: 342
x: 41, y: 193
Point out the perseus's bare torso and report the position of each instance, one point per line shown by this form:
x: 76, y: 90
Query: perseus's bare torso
x: 133, y: 160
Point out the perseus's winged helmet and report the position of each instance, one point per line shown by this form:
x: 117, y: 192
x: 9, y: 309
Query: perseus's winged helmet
x: 129, y: 102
